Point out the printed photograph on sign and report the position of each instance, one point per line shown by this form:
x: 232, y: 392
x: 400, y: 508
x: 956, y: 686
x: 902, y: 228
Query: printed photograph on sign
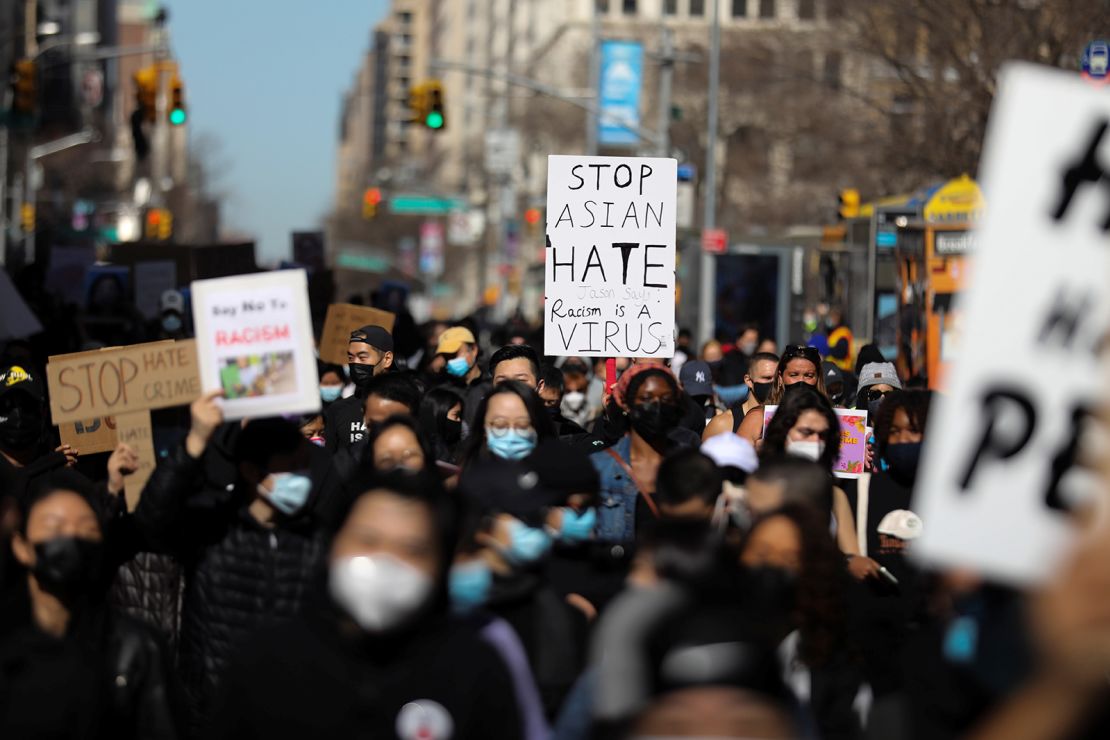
x: 258, y: 375
x: 255, y: 343
x: 609, y: 268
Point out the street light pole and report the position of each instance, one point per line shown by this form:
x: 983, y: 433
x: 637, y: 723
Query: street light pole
x: 595, y: 81
x: 708, y: 277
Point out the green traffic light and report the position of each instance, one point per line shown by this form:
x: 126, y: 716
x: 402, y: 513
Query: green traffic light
x: 178, y: 116
x: 434, y: 120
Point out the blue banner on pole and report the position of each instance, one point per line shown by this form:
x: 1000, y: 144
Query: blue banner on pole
x: 622, y: 76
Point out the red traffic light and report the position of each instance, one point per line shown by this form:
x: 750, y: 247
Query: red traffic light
x: 372, y: 197
x: 532, y: 216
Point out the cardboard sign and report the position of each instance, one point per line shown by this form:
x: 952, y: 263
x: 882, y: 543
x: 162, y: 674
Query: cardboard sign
x: 342, y: 319
x: 90, y: 437
x: 134, y: 429
x: 109, y: 382
x: 853, y: 440
x: 610, y: 257
x: 999, y: 472
x: 254, y: 342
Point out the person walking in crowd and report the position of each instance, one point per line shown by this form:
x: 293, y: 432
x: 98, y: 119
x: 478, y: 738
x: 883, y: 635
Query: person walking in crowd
x: 841, y: 342
x: 70, y: 666
x: 759, y: 379
x: 697, y: 382
x: 876, y: 380
x: 441, y: 415
x: 250, y: 553
x: 396, y: 445
x: 798, y: 364
x: 460, y: 352
x: 512, y: 422
x: 575, y: 404
x: 333, y: 383
x: 377, y: 655
x: 568, y: 432
x: 24, y: 453
x: 369, y: 354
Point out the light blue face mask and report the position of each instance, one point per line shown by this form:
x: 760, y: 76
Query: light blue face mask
x: 458, y: 367
x: 171, y: 322
x: 469, y: 585
x: 329, y: 393
x: 577, y: 527
x: 290, y: 492
x: 512, y: 445
x: 526, y: 544
x: 730, y: 394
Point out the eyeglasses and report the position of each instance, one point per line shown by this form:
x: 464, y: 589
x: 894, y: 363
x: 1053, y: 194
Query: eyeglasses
x: 501, y: 427
x: 801, y: 350
x: 871, y: 394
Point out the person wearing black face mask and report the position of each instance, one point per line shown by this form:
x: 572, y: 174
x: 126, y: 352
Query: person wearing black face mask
x: 760, y: 380
x: 23, y: 431
x: 440, y: 416
x: 568, y: 432
x: 69, y: 665
x: 369, y: 354
x: 890, y: 594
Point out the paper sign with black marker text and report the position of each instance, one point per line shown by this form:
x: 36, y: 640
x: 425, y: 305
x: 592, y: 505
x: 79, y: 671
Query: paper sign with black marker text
x: 255, y: 343
x: 1000, y: 472
x: 610, y: 258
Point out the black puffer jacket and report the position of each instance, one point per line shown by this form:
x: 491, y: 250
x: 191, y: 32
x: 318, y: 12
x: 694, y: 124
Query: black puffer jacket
x: 148, y: 587
x: 238, y: 573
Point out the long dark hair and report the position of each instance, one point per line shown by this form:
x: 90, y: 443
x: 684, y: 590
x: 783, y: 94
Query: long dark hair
x: 820, y: 595
x: 916, y: 405
x: 437, y: 403
x: 475, y: 444
x: 398, y: 420
x: 799, y: 398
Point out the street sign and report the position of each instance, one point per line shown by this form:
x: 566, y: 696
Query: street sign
x: 714, y: 241
x: 1000, y: 474
x: 423, y: 205
x: 502, y: 151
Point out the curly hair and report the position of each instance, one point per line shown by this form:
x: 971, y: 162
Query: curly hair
x: 820, y: 607
x: 798, y: 399
x: 916, y: 405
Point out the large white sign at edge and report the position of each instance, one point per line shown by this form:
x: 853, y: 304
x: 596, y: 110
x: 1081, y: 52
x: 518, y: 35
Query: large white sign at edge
x: 997, y: 480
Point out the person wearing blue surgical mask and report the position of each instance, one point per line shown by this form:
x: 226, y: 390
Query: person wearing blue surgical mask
x: 510, y: 422
x: 250, y: 550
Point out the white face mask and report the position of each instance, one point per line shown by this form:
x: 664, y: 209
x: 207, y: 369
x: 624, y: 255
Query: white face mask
x: 807, y: 450
x: 378, y: 591
x: 574, y: 400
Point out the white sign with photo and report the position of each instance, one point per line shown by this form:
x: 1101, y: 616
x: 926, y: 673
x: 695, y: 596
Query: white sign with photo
x: 1002, y: 468
x: 610, y: 257
x: 255, y: 342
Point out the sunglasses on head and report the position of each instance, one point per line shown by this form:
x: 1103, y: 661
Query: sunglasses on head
x: 801, y: 350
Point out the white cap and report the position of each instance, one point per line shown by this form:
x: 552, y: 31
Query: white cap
x: 901, y: 523
x: 729, y: 449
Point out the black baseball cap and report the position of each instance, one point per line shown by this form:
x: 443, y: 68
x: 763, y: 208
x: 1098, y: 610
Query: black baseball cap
x: 374, y: 335
x: 14, y: 378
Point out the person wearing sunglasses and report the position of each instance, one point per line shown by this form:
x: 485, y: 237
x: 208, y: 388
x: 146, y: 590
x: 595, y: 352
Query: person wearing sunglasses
x: 876, y: 379
x: 799, y: 364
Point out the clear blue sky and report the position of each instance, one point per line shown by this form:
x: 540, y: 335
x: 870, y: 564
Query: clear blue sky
x: 266, y: 80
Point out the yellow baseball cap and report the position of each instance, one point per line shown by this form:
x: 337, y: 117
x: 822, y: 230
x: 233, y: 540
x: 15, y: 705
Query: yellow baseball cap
x: 453, y: 338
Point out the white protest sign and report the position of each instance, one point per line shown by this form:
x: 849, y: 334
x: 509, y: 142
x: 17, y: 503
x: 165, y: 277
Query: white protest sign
x: 254, y: 341
x: 610, y: 257
x: 999, y: 469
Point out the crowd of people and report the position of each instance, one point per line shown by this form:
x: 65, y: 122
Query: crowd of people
x: 478, y: 544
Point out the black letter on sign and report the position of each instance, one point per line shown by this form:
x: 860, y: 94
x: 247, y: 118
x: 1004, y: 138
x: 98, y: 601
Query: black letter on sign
x: 647, y: 264
x: 990, y: 446
x: 1065, y: 459
x: 1064, y: 318
x: 626, y: 251
x: 556, y: 264
x: 1085, y: 170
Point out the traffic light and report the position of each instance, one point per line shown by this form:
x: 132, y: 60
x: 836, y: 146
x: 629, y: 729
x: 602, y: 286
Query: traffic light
x: 24, y: 87
x: 178, y: 115
x: 146, y: 91
x: 532, y: 219
x: 370, y: 201
x: 27, y: 217
x: 848, y: 206
x: 159, y: 225
x: 435, y: 116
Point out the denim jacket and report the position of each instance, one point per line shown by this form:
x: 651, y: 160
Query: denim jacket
x: 616, y: 520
